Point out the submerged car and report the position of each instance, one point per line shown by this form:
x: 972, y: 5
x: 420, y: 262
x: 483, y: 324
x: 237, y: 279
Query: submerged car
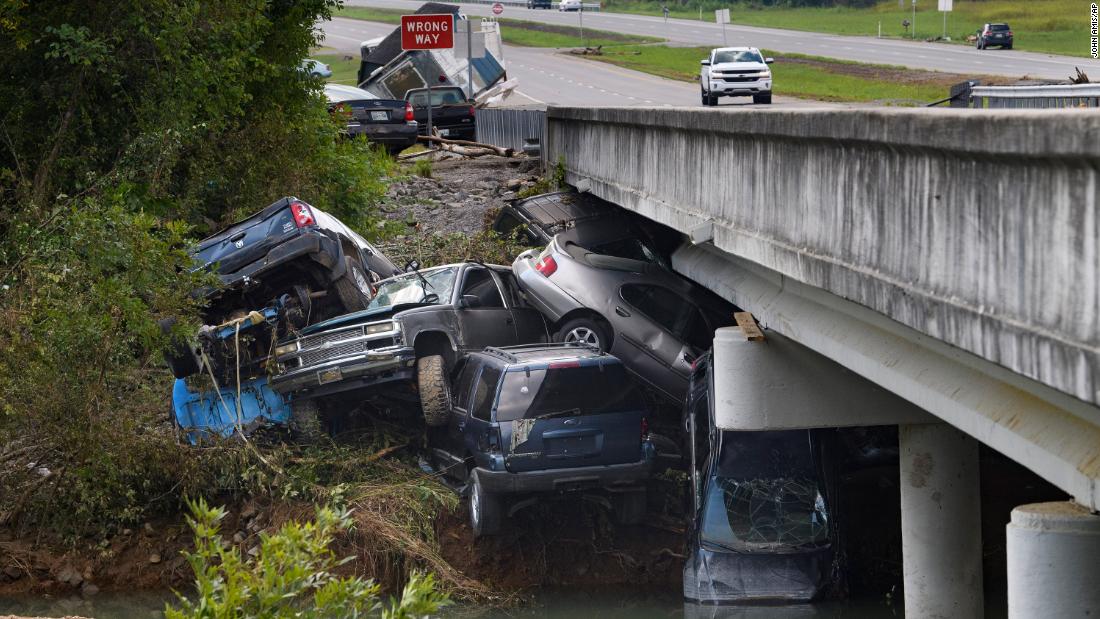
x: 762, y: 529
x: 388, y: 122
x: 542, y: 419
x: 414, y: 330
x: 625, y: 302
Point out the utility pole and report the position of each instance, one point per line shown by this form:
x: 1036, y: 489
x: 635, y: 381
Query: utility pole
x: 470, y: 57
x: 914, y: 19
x: 580, y: 16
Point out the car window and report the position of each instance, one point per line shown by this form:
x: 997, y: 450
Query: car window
x: 480, y: 284
x: 998, y: 27
x: 737, y: 56
x: 461, y: 395
x: 585, y: 390
x: 695, y: 331
x: 486, y: 389
x: 511, y: 289
x: 660, y: 305
x: 632, y: 248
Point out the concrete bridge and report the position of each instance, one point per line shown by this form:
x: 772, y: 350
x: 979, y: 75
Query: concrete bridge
x: 952, y: 257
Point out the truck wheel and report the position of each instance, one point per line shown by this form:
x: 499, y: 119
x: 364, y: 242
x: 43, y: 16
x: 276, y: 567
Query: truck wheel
x: 435, y: 391
x: 629, y: 507
x: 585, y: 330
x: 485, y: 511
x: 305, y: 421
x: 353, y: 288
x: 766, y: 98
x: 178, y: 354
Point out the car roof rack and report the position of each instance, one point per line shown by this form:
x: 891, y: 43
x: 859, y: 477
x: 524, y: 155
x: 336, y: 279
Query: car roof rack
x: 509, y: 353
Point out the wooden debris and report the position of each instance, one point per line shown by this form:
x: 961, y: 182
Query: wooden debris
x: 748, y: 326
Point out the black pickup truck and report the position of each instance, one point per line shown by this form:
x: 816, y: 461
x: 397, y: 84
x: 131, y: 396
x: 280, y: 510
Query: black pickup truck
x: 453, y: 116
x: 291, y: 248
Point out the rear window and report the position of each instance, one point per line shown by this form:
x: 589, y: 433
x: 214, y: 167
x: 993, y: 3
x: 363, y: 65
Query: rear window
x: 998, y: 27
x: 584, y: 390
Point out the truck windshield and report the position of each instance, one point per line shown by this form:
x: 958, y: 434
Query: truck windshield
x: 736, y: 56
x: 434, y: 289
x: 577, y: 390
x: 764, y: 494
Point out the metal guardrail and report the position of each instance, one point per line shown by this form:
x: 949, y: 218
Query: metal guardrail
x: 1053, y: 96
x: 588, y: 6
x: 510, y: 128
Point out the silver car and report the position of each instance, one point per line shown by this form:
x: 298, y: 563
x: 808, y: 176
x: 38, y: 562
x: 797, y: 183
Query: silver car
x: 655, y: 321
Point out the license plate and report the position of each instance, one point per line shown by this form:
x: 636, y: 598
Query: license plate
x: 379, y: 115
x: 328, y: 376
x: 444, y: 132
x: 571, y: 446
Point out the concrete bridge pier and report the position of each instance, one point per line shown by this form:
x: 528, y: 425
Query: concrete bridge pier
x: 941, y: 536
x: 1053, y: 552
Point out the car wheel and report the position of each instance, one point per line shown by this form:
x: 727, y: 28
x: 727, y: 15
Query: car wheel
x: 435, y: 390
x: 586, y: 331
x: 485, y: 511
x: 353, y: 288
x: 629, y: 507
x: 305, y: 421
x: 764, y: 99
x: 178, y: 354
x: 1009, y: 46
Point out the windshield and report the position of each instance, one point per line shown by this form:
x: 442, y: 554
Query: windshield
x: 577, y: 390
x: 737, y: 56
x: 764, y: 494
x: 410, y: 288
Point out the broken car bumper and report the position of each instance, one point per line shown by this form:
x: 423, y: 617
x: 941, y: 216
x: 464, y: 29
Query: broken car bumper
x: 354, y: 372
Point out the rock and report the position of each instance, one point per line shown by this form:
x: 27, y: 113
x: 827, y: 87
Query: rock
x: 68, y: 575
x: 87, y: 573
x: 514, y: 184
x: 13, y: 572
x: 154, y: 558
x: 148, y: 528
x: 88, y: 590
x: 254, y: 551
x: 238, y: 537
x: 248, y: 511
x: 127, y: 532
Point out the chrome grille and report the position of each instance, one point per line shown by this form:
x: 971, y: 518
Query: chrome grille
x: 313, y: 341
x: 312, y: 357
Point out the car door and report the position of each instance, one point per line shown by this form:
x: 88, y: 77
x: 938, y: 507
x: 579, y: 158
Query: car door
x: 455, y: 441
x: 529, y: 323
x: 485, y: 320
x: 647, y: 320
x: 479, y: 433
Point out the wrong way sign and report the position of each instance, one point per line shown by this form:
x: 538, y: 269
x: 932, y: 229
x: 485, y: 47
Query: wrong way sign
x: 427, y: 32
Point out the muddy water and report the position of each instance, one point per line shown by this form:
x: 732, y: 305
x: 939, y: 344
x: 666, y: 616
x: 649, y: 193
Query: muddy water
x: 615, y: 604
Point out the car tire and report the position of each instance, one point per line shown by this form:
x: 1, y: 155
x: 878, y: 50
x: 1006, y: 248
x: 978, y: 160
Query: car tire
x: 705, y: 97
x: 587, y: 330
x: 435, y: 390
x: 353, y: 287
x: 765, y: 99
x: 305, y: 421
x: 178, y: 354
x: 629, y: 507
x: 1009, y: 46
x: 485, y: 508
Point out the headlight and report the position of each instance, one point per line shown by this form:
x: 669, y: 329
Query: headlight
x: 286, y: 349
x: 381, y: 327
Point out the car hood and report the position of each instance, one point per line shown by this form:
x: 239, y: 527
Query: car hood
x: 739, y: 66
x: 367, y: 315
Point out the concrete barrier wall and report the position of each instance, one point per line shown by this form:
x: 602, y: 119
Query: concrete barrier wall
x: 979, y: 229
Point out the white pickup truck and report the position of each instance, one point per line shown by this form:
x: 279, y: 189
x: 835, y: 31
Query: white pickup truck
x: 735, y: 72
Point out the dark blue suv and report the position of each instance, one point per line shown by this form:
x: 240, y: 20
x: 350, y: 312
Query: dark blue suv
x: 545, y: 418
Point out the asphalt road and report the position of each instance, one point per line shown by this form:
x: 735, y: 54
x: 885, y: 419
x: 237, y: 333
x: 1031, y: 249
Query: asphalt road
x: 550, y: 78
x: 918, y: 55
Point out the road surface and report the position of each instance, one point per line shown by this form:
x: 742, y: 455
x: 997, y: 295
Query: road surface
x: 550, y: 78
x: 918, y: 55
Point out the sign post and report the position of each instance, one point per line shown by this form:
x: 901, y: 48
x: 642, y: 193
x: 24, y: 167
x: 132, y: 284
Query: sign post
x: 427, y: 32
x: 914, y: 19
x: 945, y: 8
x: 722, y: 16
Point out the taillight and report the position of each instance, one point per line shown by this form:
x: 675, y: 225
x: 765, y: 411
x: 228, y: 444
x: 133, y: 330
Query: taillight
x: 302, y: 215
x: 1009, y: 33
x: 558, y: 365
x: 546, y: 265
x: 471, y: 110
x: 645, y: 427
x: 408, y: 111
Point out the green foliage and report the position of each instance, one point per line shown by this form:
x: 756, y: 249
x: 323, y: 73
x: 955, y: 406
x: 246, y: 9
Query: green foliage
x: 440, y: 248
x: 423, y: 167
x: 292, y: 576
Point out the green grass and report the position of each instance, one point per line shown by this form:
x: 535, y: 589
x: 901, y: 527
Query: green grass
x: 1053, y: 26
x: 799, y: 76
x: 343, y: 71
x: 519, y: 32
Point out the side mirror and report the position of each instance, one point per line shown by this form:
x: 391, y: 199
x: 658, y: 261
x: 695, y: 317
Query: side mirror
x: 705, y: 63
x: 468, y: 301
x: 769, y: 60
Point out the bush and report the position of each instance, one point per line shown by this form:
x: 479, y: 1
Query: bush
x: 292, y: 576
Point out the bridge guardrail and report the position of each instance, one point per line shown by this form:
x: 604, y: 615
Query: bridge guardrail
x: 1052, y: 96
x: 510, y: 128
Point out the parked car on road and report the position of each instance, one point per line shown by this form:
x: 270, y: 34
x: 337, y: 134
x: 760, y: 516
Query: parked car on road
x: 541, y: 419
x: 452, y: 115
x: 539, y: 4
x: 735, y: 72
x: 414, y: 330
x: 388, y: 122
x: 994, y: 34
x: 763, y: 527
x: 316, y: 68
x: 623, y: 301
x: 570, y: 5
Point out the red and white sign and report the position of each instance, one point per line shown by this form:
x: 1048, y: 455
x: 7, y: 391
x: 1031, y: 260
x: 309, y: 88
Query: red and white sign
x: 427, y: 31
x: 498, y: 8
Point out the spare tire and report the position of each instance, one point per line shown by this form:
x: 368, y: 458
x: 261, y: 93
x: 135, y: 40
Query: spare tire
x: 178, y: 354
x: 353, y: 287
x: 435, y: 390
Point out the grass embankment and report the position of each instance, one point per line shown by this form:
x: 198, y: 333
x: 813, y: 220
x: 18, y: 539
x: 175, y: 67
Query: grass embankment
x: 519, y: 32
x: 1053, y: 26
x: 796, y: 75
